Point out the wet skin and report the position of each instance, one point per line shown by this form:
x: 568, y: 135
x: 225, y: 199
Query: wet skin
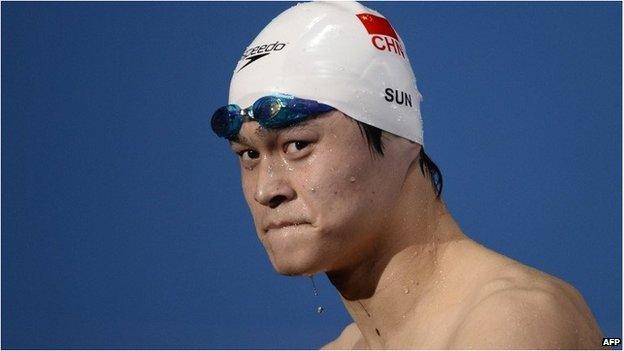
x: 407, y: 274
x: 320, y: 175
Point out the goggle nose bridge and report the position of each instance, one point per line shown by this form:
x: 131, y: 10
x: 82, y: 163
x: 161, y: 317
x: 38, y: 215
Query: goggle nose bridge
x: 247, y: 113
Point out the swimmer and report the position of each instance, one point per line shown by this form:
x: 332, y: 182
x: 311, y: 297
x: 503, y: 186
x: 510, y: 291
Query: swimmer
x: 324, y: 114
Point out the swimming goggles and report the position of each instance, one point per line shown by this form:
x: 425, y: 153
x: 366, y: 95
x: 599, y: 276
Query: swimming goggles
x: 273, y: 111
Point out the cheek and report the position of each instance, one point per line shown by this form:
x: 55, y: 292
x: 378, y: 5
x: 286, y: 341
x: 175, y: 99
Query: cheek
x: 342, y: 191
x: 247, y: 187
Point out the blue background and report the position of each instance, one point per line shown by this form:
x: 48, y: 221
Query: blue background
x: 123, y: 220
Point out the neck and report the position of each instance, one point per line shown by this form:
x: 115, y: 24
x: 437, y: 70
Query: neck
x: 395, y: 278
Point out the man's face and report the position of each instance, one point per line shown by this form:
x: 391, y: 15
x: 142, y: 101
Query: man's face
x: 318, y: 197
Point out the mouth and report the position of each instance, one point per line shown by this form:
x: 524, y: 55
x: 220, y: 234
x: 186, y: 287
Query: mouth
x: 284, y: 225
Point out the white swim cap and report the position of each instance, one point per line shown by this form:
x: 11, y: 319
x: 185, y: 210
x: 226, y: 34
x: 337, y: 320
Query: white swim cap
x: 342, y: 54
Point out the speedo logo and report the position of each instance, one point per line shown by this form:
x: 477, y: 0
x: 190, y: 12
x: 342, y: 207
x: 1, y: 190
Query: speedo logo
x: 260, y: 51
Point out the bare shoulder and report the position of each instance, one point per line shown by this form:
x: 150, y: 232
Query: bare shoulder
x: 346, y: 340
x: 522, y: 307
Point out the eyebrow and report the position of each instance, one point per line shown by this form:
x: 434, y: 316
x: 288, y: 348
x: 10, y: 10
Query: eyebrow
x: 239, y: 139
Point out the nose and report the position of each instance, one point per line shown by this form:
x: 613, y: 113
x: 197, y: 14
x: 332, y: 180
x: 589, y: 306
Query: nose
x: 273, y: 186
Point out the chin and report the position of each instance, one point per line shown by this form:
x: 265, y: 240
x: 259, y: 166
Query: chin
x: 298, y: 251
x: 297, y: 265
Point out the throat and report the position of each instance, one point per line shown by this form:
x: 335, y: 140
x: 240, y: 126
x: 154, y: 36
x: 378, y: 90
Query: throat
x: 382, y: 298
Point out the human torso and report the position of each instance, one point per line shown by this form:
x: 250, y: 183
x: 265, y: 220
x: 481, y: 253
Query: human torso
x: 477, y: 273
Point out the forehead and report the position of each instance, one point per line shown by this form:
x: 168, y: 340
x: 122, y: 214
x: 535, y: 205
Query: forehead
x: 252, y: 132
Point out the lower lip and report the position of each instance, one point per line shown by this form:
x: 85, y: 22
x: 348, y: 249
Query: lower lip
x: 292, y: 226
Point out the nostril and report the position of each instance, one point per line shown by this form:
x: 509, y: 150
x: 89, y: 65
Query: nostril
x: 276, y: 201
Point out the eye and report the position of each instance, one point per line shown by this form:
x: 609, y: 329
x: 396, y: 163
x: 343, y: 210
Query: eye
x: 249, y: 154
x: 297, y: 145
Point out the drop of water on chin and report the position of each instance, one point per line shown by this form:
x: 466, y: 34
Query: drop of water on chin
x: 313, y: 189
x: 406, y: 290
x: 352, y: 179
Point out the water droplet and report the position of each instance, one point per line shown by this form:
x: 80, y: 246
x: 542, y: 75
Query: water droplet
x: 352, y: 179
x: 312, y: 189
x: 406, y: 290
x: 313, y: 285
x: 320, y: 310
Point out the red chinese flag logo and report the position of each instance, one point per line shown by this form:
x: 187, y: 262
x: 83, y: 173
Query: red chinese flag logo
x: 377, y: 25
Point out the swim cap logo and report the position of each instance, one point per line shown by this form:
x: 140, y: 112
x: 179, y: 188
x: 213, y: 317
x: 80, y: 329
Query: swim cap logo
x: 383, y: 36
x: 260, y: 51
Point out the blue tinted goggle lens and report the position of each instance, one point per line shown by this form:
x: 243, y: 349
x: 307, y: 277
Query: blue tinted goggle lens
x: 266, y: 111
x: 227, y: 121
x: 270, y: 111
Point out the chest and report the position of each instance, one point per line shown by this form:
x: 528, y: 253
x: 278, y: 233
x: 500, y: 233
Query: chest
x: 433, y: 331
x: 434, y: 326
